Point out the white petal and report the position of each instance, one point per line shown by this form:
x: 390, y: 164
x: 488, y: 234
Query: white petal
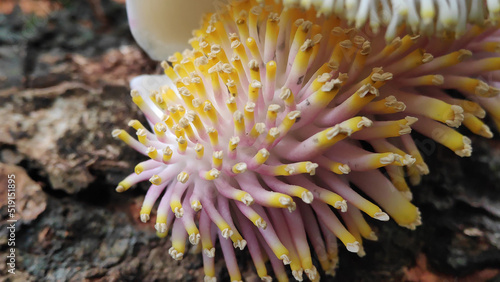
x: 162, y: 27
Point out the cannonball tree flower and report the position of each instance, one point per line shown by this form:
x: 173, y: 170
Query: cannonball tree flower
x: 269, y: 133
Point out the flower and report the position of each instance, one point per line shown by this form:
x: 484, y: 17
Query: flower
x: 269, y: 134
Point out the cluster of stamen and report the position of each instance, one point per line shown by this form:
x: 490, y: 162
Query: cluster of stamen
x: 262, y: 130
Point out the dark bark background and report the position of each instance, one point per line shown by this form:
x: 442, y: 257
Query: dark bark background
x: 64, y: 73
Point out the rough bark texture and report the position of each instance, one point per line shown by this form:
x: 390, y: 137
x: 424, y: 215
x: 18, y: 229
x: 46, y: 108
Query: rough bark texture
x: 64, y: 77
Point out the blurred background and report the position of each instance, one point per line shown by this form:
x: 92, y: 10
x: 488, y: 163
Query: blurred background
x: 65, y: 68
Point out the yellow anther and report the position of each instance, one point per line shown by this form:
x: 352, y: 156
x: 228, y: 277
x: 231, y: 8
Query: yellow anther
x: 168, y: 95
x: 254, y: 49
x: 239, y: 168
x: 174, y: 113
x: 122, y: 135
x: 214, y: 137
x: 271, y: 71
x: 231, y: 87
x: 287, y: 96
x: 302, y: 59
x: 158, y: 99
x: 279, y: 200
x: 178, y: 131
x: 289, y: 121
x: 152, y: 152
x: 187, y: 97
x: 135, y: 124
x: 296, y: 168
x: 477, y: 126
x: 320, y: 80
x: 253, y: 90
x: 179, y: 69
x: 209, y: 109
x: 271, y: 136
x: 199, y: 86
x: 211, y: 174
x: 411, y: 61
x: 177, y: 209
x: 183, y: 177
x: 200, y: 150
x: 249, y: 113
x: 325, y: 94
x: 257, y: 130
x: 233, y: 143
x: 182, y: 145
x: 241, y: 53
x: 137, y: 98
x: 389, y: 105
x: 239, y: 123
x: 261, y: 156
x: 139, y: 168
x: 169, y: 121
x: 217, y: 159
x: 155, y: 179
x: 167, y: 154
x: 231, y: 105
x: 272, y: 113
x: 169, y: 71
x: 332, y: 135
x: 195, y: 120
x: 160, y: 129
x: 142, y: 136
x: 253, y: 65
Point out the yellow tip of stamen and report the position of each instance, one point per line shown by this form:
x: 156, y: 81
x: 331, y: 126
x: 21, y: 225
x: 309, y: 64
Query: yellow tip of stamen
x: 257, y: 129
x: 245, y: 198
x: 136, y: 124
x: 139, y: 169
x: 182, y: 144
x: 155, y: 179
x: 214, y: 136
x: 194, y: 237
x: 144, y: 216
x: 175, y: 254
x: 280, y: 200
x: 136, y: 98
x: 123, y: 186
x: 212, y: 174
x: 177, y: 209
x: 239, y: 168
x: 161, y: 224
x: 296, y: 168
x: 332, y: 135
x: 196, y: 205
x: 142, y: 136
x: 287, y: 96
x: 289, y: 121
x: 261, y: 156
x: 217, y: 159
x: 239, y: 123
x: 253, y: 90
x: 152, y: 152
x: 122, y: 135
x: 231, y: 104
x: 199, y: 149
x: 167, y: 154
x: 272, y: 134
x: 183, y: 177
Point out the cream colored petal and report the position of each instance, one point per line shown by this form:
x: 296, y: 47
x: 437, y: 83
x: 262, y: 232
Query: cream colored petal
x: 163, y: 27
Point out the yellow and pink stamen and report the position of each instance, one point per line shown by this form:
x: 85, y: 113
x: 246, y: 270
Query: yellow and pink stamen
x: 269, y: 134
